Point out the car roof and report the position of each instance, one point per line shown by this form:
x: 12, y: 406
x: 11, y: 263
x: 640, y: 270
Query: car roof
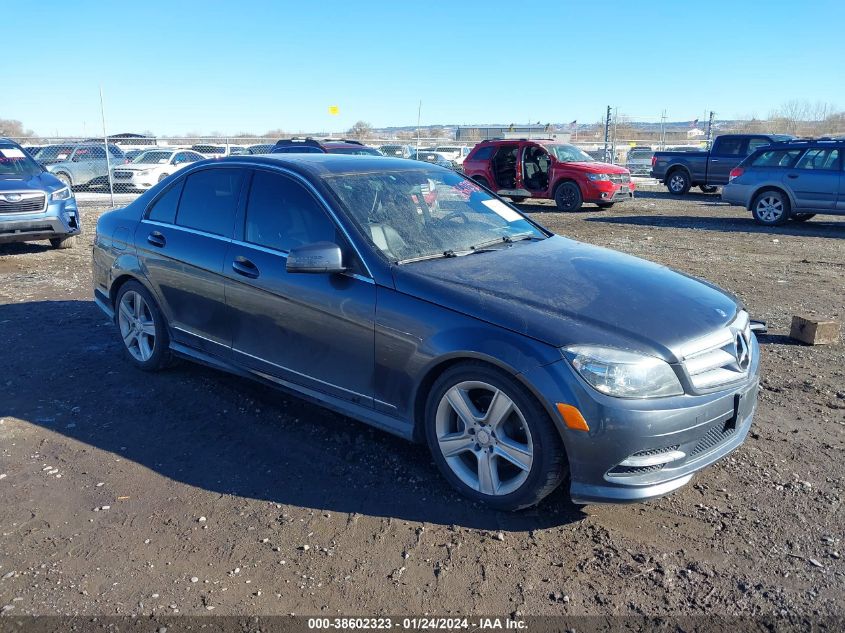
x: 319, y: 164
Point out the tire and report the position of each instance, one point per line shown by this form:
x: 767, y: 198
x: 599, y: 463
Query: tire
x: 65, y: 179
x: 63, y: 242
x: 162, y: 177
x: 142, y: 328
x: 604, y: 205
x: 517, y: 199
x: 480, y: 461
x: 708, y: 188
x: 678, y: 182
x: 802, y: 217
x: 568, y: 196
x: 770, y: 208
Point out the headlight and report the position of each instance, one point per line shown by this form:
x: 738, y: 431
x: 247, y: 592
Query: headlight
x: 624, y: 374
x: 598, y: 176
x: 62, y: 194
x: 146, y: 172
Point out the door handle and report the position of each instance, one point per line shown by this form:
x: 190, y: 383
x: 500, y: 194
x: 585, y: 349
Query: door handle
x: 156, y: 239
x: 714, y: 160
x: 793, y: 176
x: 243, y: 266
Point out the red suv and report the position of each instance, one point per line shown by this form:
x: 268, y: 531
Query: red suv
x: 520, y: 169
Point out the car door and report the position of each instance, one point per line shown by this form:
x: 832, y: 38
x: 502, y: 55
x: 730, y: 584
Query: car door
x: 840, y: 198
x: 312, y: 330
x: 96, y: 163
x: 815, y: 179
x: 727, y: 153
x: 182, y: 243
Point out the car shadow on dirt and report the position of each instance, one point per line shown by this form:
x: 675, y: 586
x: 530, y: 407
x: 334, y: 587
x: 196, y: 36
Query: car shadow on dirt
x: 63, y: 370
x: 813, y: 228
x: 24, y: 248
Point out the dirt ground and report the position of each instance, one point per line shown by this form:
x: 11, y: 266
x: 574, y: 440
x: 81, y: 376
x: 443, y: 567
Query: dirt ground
x: 192, y: 490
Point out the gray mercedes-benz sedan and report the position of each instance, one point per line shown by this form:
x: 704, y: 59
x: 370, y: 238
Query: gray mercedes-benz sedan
x: 408, y: 297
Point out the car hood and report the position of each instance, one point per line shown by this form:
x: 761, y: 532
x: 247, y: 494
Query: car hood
x: 564, y: 292
x: 597, y: 168
x: 44, y: 181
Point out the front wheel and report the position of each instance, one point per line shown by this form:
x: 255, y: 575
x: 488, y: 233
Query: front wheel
x: 678, y: 183
x: 770, y: 208
x: 491, y: 439
x: 568, y: 197
x: 63, y: 242
x: 802, y: 217
x: 708, y: 188
x: 142, y: 328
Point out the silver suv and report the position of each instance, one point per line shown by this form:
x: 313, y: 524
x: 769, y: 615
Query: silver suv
x: 793, y: 180
x: 81, y: 164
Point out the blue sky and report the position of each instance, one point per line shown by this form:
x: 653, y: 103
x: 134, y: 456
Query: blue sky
x: 230, y: 66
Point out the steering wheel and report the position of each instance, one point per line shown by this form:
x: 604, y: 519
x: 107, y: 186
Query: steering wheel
x: 455, y: 214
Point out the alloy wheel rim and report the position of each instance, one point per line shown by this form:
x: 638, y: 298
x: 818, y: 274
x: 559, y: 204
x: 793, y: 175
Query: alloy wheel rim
x: 568, y: 196
x: 770, y: 208
x: 484, y: 438
x: 676, y: 183
x: 137, y: 327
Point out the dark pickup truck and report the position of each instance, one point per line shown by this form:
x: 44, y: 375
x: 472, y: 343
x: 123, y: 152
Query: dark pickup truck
x: 680, y: 171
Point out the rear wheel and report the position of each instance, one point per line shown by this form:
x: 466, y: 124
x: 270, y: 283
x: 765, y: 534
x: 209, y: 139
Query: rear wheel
x: 63, y: 242
x: 708, y: 188
x: 491, y: 439
x: 678, y: 183
x: 770, y: 208
x: 142, y: 328
x: 568, y: 196
x: 517, y: 199
x: 802, y: 217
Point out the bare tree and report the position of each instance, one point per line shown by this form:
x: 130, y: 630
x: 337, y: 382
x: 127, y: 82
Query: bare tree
x: 277, y: 133
x: 14, y: 129
x: 361, y: 129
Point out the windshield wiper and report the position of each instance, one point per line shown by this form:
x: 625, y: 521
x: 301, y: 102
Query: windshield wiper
x: 410, y: 260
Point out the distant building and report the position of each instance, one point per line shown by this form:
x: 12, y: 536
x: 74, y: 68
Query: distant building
x: 480, y: 133
x: 695, y: 133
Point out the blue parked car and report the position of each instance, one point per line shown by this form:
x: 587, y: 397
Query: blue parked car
x: 34, y: 204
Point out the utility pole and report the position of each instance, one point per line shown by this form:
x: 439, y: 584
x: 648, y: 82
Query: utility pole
x: 106, y: 147
x: 606, y: 133
x: 419, y: 114
x: 663, y: 130
x: 710, y: 127
x: 615, y: 126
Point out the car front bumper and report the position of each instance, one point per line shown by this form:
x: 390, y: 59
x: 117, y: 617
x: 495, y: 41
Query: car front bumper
x: 135, y: 181
x: 604, y: 191
x: 59, y: 219
x: 666, y: 439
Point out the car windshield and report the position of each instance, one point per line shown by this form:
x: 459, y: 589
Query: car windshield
x: 425, y: 213
x: 569, y: 154
x: 16, y: 163
x: 152, y: 157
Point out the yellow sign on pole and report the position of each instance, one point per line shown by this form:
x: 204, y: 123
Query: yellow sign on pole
x: 334, y: 110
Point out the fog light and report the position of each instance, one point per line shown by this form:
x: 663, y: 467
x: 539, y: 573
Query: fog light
x: 572, y: 417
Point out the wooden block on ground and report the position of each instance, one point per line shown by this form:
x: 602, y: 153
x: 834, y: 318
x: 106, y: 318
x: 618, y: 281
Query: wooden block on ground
x: 814, y: 331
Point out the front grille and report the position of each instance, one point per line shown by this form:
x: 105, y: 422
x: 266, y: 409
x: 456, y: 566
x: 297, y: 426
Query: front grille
x: 720, y: 358
x: 635, y: 470
x: 123, y: 174
x: 620, y: 178
x: 29, y: 203
x: 656, y: 451
x: 717, y: 434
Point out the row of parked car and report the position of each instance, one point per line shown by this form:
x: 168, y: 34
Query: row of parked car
x: 778, y: 178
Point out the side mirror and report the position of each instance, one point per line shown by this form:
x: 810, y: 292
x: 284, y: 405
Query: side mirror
x: 319, y: 257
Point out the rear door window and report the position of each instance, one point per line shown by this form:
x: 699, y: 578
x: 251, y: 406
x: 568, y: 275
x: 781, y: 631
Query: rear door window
x: 210, y: 199
x: 164, y: 209
x: 731, y: 146
x: 776, y: 158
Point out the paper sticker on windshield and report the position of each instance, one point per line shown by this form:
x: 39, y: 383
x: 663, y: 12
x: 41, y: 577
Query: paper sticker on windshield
x: 502, y: 210
x: 61, y: 156
x: 11, y: 152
